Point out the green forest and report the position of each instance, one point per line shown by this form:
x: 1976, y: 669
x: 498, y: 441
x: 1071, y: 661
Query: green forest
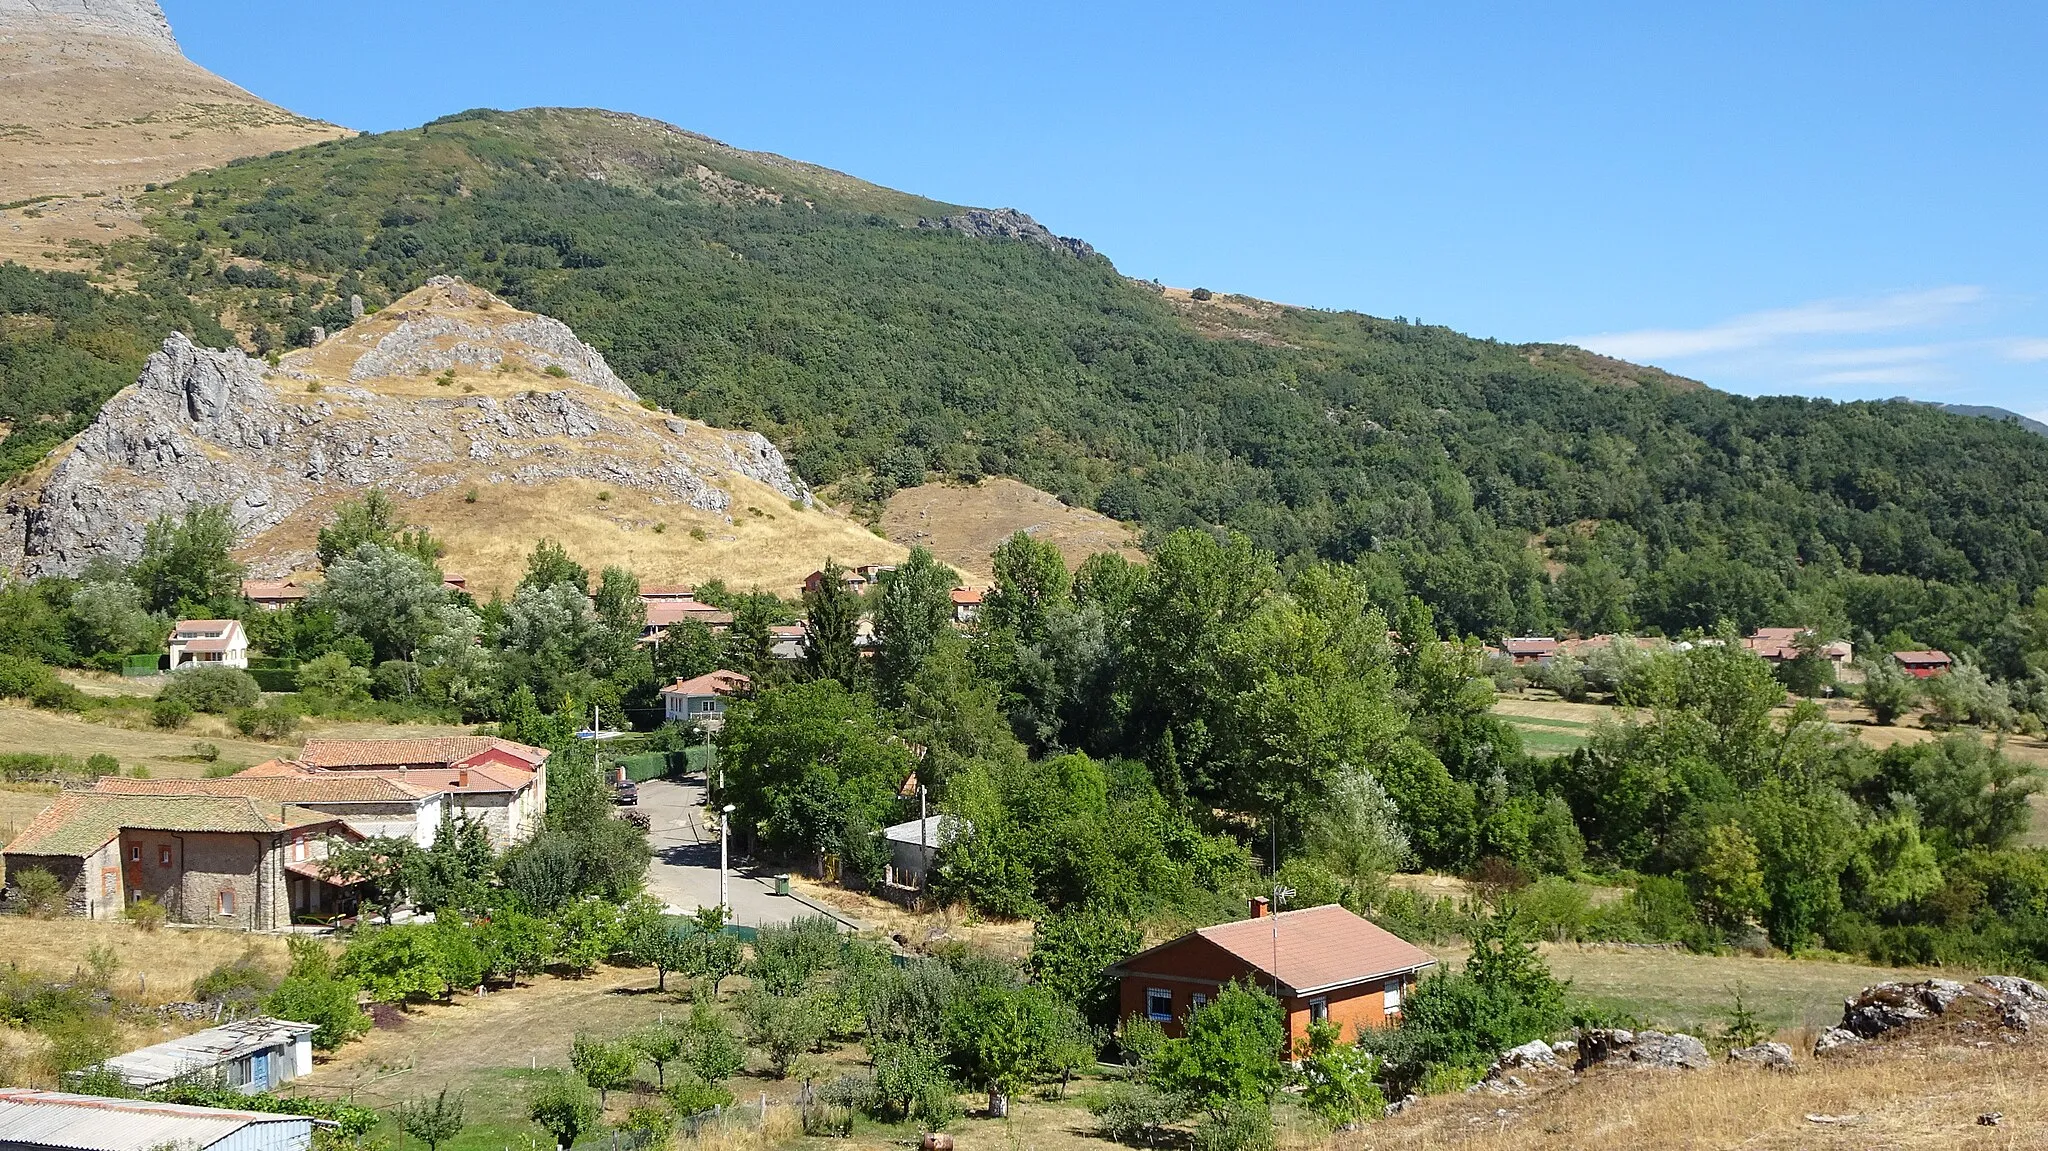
x: 1517, y: 489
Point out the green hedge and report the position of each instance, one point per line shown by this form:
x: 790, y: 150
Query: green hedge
x: 275, y: 678
x: 647, y: 765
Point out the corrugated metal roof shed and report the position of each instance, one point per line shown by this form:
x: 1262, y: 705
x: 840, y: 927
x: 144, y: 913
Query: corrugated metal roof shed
x: 92, y: 1123
x: 203, y: 1050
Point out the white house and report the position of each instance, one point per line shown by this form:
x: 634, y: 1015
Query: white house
x: 702, y: 700
x: 60, y: 1121
x: 209, y: 641
x: 251, y: 1056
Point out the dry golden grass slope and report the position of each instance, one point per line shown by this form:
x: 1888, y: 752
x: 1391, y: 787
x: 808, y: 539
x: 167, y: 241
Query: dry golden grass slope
x: 962, y: 525
x: 490, y: 508
x: 90, y: 112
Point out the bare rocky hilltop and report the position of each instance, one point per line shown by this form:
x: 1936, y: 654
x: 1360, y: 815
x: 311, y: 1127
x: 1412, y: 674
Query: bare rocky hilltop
x: 490, y: 425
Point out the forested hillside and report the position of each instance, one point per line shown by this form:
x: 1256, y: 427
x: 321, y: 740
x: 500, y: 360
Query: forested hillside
x: 1516, y: 488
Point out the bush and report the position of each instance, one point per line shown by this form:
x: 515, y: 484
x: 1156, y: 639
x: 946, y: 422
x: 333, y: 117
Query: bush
x: 1135, y: 1113
x: 146, y: 914
x: 217, y: 690
x: 40, y: 893
x: 268, y: 722
x: 22, y: 678
x: 170, y: 714
x: 103, y: 764
x: 323, y: 1000
x: 235, y: 984
x: 689, y: 1095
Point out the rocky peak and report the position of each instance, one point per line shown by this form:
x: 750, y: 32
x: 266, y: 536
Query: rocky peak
x: 139, y: 21
x: 449, y: 389
x: 448, y: 323
x: 1009, y: 224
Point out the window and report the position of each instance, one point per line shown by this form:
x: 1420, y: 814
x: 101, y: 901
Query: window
x: 1197, y: 1001
x: 227, y: 901
x: 298, y: 849
x: 135, y: 853
x: 1158, y: 1004
x: 1319, y: 1010
x: 1392, y: 994
x: 163, y: 855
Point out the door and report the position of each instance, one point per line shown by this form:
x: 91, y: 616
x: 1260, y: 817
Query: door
x: 259, y: 1071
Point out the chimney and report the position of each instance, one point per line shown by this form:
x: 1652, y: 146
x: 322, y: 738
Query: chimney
x: 1259, y: 904
x: 462, y: 777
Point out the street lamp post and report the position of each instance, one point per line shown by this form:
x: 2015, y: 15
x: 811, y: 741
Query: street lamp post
x: 724, y: 834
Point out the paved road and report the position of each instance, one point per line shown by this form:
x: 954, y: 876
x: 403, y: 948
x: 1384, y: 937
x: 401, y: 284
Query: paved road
x: 684, y: 873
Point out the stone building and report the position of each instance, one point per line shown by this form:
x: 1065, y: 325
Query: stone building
x: 220, y: 861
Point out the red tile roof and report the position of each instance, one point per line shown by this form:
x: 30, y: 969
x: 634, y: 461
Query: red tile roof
x: 1528, y: 645
x: 81, y: 822
x: 1319, y: 948
x: 719, y: 682
x: 667, y: 591
x: 272, y: 589
x: 966, y: 596
x: 1929, y: 657
x: 435, y: 751
x: 305, y: 785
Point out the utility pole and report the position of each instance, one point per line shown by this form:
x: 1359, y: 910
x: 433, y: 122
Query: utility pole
x: 724, y: 860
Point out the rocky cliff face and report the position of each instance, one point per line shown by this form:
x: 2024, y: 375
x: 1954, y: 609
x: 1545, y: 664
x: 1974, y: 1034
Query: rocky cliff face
x: 140, y: 21
x: 1008, y: 224
x: 449, y: 388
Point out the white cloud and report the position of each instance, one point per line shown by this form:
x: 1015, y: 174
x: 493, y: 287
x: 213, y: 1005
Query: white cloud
x: 1763, y: 329
x: 2027, y: 350
x: 1876, y: 357
x: 1902, y: 374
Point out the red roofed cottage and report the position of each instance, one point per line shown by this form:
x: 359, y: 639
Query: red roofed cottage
x: 1327, y: 963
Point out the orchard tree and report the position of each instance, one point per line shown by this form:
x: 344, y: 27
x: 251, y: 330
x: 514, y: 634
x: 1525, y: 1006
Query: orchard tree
x: 432, y: 1121
x: 563, y: 1108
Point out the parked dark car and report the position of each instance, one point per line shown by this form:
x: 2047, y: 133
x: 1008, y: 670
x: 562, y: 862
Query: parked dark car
x: 628, y: 794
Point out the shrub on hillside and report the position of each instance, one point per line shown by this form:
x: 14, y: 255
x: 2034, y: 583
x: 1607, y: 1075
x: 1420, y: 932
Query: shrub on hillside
x: 170, y: 714
x: 217, y: 690
x: 40, y: 893
x: 266, y: 722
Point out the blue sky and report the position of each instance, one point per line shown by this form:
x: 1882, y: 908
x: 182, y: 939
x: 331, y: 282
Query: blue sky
x: 1833, y: 199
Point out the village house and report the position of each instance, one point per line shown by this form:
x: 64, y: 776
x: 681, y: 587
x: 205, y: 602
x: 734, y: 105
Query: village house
x: 59, y: 1121
x: 1925, y: 664
x: 1781, y: 645
x: 852, y: 579
x: 1529, y: 649
x: 966, y: 605
x: 220, y: 861
x: 702, y: 700
x: 663, y: 592
x: 661, y: 613
x: 1323, y: 963
x: 373, y: 806
x: 496, y: 782
x: 788, y: 641
x: 219, y: 642
x: 272, y: 594
x: 250, y: 1056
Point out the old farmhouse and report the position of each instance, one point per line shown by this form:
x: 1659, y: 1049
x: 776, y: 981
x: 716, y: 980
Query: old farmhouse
x: 1324, y: 963
x: 222, y: 861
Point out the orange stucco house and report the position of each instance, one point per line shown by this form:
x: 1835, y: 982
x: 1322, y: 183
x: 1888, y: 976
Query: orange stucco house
x: 1323, y: 963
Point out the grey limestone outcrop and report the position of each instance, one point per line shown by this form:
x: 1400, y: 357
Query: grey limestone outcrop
x: 203, y: 427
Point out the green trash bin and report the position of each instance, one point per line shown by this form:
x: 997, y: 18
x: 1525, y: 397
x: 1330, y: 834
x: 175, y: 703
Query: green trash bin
x: 782, y: 885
